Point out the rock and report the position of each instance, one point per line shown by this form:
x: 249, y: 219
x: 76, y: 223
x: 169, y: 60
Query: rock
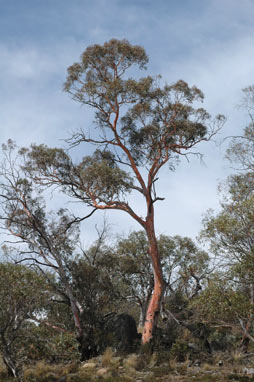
x: 89, y: 366
x: 116, y: 331
x: 121, y: 332
x: 248, y: 371
x: 103, y: 371
x: 197, y: 362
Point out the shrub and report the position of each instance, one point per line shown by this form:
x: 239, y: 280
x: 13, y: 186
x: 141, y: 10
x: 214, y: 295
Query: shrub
x: 179, y: 350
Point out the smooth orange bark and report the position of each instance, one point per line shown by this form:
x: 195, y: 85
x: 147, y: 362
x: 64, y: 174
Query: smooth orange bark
x: 154, y: 306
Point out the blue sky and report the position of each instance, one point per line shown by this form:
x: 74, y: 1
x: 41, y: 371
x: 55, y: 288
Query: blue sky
x: 209, y: 43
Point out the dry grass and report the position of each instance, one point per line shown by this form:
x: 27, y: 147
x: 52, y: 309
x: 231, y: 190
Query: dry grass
x: 183, y: 366
x: 154, y: 359
x: 207, y: 367
x: 116, y: 362
x: 131, y: 362
x: 173, y: 364
x: 136, y: 367
x: 186, y: 336
x: 107, y: 357
x: 237, y: 356
x: 43, y: 372
x: 38, y: 371
x: 69, y: 368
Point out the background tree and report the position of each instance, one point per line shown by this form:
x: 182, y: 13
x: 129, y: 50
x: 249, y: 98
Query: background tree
x: 241, y: 148
x: 226, y: 308
x: 140, y: 128
x: 184, y: 268
x: 23, y: 295
x: 84, y: 285
x: 46, y: 240
x: 231, y: 237
x: 230, y: 234
x: 96, y: 287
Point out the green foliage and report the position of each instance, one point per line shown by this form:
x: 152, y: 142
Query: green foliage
x: 96, y: 71
x: 222, y: 339
x: 220, y: 302
x: 23, y: 294
x: 241, y: 148
x: 179, y: 350
x: 93, y: 287
x: 52, y: 345
x: 156, y: 110
x: 17, y: 282
x: 157, y: 119
x: 110, y: 181
x: 230, y: 234
x: 231, y: 230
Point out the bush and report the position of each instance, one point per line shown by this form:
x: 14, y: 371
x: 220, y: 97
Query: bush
x: 179, y: 350
x: 222, y: 340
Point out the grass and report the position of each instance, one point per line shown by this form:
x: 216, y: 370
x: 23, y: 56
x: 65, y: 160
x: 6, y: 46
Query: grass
x: 139, y: 367
x: 237, y: 357
x: 107, y: 357
x: 132, y: 362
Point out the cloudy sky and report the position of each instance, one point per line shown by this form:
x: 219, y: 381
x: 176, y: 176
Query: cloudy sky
x: 209, y: 43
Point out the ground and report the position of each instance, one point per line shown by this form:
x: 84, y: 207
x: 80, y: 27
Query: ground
x: 142, y: 368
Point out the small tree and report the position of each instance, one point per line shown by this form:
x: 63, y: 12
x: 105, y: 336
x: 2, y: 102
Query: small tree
x: 141, y: 127
x: 23, y: 295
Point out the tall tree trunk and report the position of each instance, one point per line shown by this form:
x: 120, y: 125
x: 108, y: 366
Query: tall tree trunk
x: 143, y: 310
x: 75, y: 311
x: 74, y: 304
x: 154, y: 306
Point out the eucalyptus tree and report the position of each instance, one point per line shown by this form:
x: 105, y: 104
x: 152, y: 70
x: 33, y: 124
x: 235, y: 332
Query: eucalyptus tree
x: 225, y: 306
x: 46, y: 240
x: 230, y: 232
x: 49, y: 241
x: 231, y: 237
x: 24, y: 294
x: 140, y: 127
